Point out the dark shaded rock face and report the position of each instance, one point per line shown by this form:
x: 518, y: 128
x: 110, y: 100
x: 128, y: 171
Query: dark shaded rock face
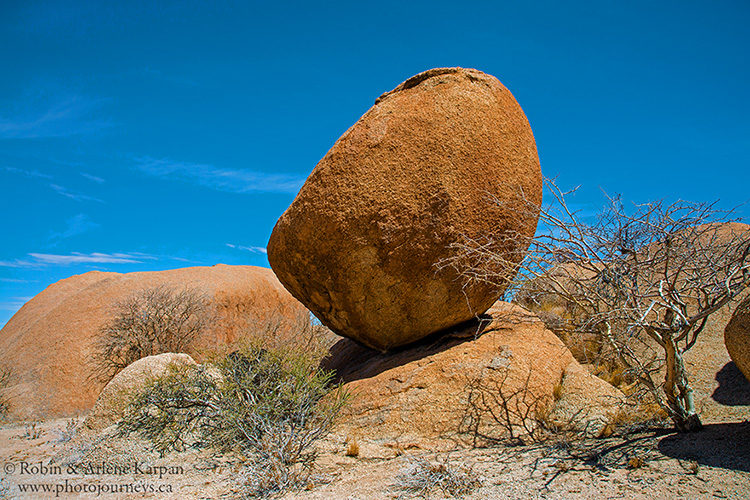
x: 737, y: 337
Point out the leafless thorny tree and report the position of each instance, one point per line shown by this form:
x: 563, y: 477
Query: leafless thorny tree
x: 272, y: 331
x: 151, y: 321
x: 650, y: 275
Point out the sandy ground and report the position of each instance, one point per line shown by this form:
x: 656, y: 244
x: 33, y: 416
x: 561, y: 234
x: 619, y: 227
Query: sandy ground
x: 713, y: 463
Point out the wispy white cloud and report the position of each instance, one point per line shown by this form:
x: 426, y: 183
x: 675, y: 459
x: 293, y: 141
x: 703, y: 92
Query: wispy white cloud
x: 27, y: 173
x: 47, y: 259
x: 14, y: 280
x: 22, y: 299
x: 75, y: 225
x: 80, y: 258
x: 222, y: 179
x: 63, y: 191
x: 249, y: 249
x: 182, y: 259
x: 93, y: 178
x: 18, y: 263
x: 14, y: 303
x: 11, y: 305
x: 69, y: 116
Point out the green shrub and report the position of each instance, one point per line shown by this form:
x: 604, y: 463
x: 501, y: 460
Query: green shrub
x: 266, y: 407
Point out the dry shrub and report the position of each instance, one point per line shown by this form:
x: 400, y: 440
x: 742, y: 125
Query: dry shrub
x: 32, y: 430
x: 268, y: 408
x: 560, y: 317
x: 277, y: 330
x: 69, y: 432
x: 500, y: 410
x: 587, y: 348
x: 151, y: 321
x: 423, y: 477
x: 6, y: 378
x: 5, y: 490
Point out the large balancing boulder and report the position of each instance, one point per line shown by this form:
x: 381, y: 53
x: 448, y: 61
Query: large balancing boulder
x: 360, y: 243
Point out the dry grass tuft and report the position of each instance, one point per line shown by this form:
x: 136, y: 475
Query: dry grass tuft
x: 422, y: 477
x: 636, y: 462
x: 557, y: 391
x: 352, y: 447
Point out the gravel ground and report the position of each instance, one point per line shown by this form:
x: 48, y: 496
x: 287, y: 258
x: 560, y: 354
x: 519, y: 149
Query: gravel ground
x: 713, y: 463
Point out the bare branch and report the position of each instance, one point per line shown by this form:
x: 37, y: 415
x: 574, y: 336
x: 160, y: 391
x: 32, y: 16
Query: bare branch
x: 637, y: 278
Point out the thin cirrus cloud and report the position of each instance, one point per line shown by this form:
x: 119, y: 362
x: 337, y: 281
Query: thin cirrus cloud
x: 14, y: 304
x: 63, y: 191
x: 66, y: 117
x: 249, y: 249
x: 46, y: 259
x: 221, y: 179
x: 93, y: 178
x: 33, y: 174
x: 74, y: 226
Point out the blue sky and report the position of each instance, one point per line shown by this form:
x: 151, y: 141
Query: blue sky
x: 152, y: 135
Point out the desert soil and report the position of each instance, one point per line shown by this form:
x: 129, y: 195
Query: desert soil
x: 713, y: 463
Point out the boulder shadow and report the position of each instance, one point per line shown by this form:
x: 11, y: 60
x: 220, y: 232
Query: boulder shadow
x: 734, y: 388
x: 717, y: 445
x: 353, y: 361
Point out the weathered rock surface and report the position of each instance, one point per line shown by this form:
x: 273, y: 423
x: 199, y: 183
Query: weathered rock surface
x: 428, y: 393
x: 359, y: 244
x: 585, y: 402
x: 48, y: 342
x: 115, y: 396
x: 737, y: 337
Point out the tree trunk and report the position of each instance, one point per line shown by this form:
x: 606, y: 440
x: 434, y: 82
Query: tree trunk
x: 678, y: 391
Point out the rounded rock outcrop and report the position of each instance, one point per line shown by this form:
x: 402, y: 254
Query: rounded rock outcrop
x: 442, y: 391
x: 360, y: 243
x: 737, y: 337
x: 48, y: 344
x: 115, y: 396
